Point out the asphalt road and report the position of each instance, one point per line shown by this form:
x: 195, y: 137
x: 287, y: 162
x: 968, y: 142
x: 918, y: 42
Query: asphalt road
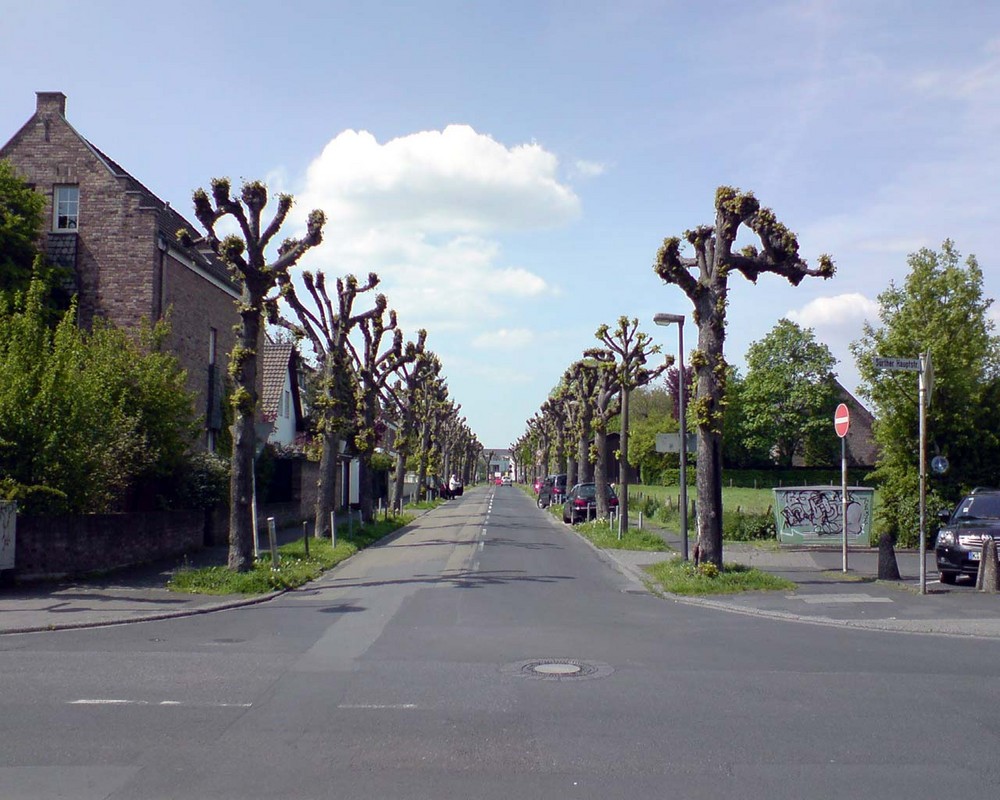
x: 489, y: 653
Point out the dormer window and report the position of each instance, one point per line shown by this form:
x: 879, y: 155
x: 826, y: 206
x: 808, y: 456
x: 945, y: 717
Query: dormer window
x: 66, y: 207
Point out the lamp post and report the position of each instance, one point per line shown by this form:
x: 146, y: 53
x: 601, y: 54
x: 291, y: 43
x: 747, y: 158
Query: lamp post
x: 666, y: 320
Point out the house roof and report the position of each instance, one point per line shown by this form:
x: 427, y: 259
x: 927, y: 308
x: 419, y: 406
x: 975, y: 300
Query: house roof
x: 169, y: 221
x: 276, y: 360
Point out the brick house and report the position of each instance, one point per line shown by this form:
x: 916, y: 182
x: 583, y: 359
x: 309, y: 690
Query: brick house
x: 120, y: 241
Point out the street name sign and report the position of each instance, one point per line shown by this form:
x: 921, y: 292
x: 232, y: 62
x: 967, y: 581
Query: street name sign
x: 899, y: 364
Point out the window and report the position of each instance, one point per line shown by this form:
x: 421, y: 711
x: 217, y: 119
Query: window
x: 66, y: 207
x: 288, y: 404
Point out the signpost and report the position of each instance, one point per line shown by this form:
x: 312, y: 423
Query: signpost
x: 842, y: 424
x: 925, y: 385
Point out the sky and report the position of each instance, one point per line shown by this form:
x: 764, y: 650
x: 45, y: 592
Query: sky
x: 509, y: 169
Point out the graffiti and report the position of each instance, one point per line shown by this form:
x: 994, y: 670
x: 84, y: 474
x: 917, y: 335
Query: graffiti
x: 809, y: 513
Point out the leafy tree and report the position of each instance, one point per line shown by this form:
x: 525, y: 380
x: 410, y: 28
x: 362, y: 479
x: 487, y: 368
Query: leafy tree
x: 789, y: 394
x: 246, y: 255
x: 651, y: 412
x: 940, y: 310
x: 86, y: 418
x: 21, y: 209
x: 705, y: 280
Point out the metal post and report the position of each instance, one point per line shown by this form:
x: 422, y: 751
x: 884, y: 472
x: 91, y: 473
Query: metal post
x: 253, y: 510
x: 272, y: 537
x: 843, y: 495
x: 923, y: 472
x: 333, y: 529
x: 682, y: 423
x: 305, y: 536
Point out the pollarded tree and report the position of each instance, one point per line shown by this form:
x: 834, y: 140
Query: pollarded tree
x: 326, y: 325
x: 424, y: 368
x: 789, y: 394
x: 630, y: 349
x: 940, y: 309
x: 581, y: 385
x: 246, y: 254
x: 376, y: 365
x: 705, y: 280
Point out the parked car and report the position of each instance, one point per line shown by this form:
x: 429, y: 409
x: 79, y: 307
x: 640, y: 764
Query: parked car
x: 553, y: 491
x: 959, y: 544
x: 537, y: 485
x: 505, y: 480
x: 581, y: 502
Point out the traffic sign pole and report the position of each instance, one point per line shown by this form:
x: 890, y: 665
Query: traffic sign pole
x: 841, y: 425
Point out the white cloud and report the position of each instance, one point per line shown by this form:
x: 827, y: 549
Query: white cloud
x: 504, y: 338
x: 425, y: 212
x: 844, y: 311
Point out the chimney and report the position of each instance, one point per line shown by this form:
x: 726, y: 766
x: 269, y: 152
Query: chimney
x: 49, y: 102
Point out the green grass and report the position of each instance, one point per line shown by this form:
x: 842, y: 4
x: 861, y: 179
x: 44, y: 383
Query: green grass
x: 679, y: 577
x: 294, y: 569
x: 604, y: 537
x: 423, y: 505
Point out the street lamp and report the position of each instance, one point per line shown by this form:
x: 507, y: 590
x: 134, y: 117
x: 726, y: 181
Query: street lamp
x: 666, y: 320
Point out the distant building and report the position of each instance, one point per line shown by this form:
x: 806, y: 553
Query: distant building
x: 120, y: 242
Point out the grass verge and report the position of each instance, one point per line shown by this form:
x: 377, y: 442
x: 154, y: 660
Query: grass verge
x: 680, y: 577
x: 604, y: 537
x: 294, y: 568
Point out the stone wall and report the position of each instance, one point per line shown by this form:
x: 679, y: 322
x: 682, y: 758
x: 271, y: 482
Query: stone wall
x: 52, y: 546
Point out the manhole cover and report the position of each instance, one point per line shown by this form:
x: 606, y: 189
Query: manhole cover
x: 558, y: 669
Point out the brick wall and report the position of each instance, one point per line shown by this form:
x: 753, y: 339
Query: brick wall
x: 74, y: 545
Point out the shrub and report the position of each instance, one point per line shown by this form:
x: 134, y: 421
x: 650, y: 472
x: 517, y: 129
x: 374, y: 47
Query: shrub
x: 741, y: 526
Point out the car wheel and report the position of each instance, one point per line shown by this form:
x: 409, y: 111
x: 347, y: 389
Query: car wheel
x: 948, y: 577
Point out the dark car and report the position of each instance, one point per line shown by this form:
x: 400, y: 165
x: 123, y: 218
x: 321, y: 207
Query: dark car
x: 581, y: 502
x: 552, y: 491
x: 959, y: 545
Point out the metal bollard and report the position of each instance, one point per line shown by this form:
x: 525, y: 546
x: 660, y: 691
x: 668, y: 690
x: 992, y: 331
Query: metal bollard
x: 305, y: 536
x: 333, y: 529
x: 272, y: 538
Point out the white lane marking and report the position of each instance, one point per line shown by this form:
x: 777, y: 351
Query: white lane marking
x: 378, y: 706
x: 843, y: 598
x: 111, y: 701
x: 481, y: 543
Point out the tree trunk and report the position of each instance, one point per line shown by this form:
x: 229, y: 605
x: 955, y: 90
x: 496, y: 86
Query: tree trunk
x: 601, y: 472
x: 584, y: 470
x: 425, y: 443
x: 623, y: 464
x: 326, y: 484
x: 709, y: 368
x: 397, y: 482
x: 241, y: 483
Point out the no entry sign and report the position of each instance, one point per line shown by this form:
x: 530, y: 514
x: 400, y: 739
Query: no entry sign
x: 841, y: 420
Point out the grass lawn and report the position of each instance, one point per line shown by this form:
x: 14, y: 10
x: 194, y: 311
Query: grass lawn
x: 680, y: 577
x: 294, y: 569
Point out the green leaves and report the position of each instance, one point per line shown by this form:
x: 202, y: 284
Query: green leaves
x: 86, y: 415
x: 940, y: 309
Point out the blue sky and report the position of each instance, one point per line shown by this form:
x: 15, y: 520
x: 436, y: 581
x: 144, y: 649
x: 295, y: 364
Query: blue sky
x: 510, y: 169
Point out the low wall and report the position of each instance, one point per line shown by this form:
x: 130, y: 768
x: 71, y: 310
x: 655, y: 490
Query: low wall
x: 48, y: 546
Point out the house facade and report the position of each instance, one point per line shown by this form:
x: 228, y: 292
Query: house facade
x: 120, y: 242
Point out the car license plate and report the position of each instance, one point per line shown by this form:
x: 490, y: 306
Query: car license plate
x: 975, y: 555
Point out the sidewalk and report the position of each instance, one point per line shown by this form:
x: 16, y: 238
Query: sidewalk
x: 825, y: 595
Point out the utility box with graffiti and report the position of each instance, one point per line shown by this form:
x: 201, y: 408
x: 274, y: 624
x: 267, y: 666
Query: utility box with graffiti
x: 8, y: 529
x: 814, y: 515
